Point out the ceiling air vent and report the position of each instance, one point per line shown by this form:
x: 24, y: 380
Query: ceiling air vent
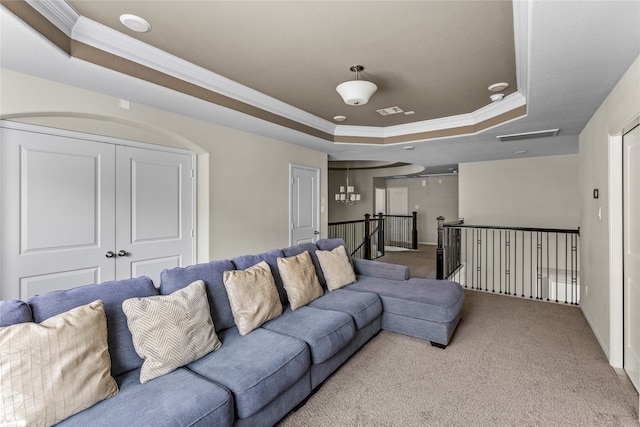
x: 528, y: 135
x: 389, y: 111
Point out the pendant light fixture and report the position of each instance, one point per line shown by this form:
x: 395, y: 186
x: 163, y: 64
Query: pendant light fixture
x: 356, y: 92
x: 347, y: 195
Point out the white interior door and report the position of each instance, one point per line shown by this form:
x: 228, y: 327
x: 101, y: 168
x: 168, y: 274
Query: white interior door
x: 154, y: 215
x: 381, y: 201
x: 398, y: 198
x: 305, y: 217
x: 631, y: 212
x: 57, y: 212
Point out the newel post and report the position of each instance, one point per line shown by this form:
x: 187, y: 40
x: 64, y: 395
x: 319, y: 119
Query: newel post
x: 381, y: 231
x: 414, y: 231
x: 440, y: 250
x: 367, y: 236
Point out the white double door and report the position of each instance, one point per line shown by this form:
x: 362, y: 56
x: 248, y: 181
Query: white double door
x: 76, y: 211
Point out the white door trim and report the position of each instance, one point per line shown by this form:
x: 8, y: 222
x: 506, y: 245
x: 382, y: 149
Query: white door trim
x: 293, y: 166
x: 91, y: 137
x: 616, y: 279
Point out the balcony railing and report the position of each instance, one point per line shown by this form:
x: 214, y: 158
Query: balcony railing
x: 537, y: 263
x: 367, y: 238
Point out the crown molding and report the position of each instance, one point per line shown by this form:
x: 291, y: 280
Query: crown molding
x: 58, y: 12
x: 509, y: 103
x: 106, y: 39
x: 109, y: 40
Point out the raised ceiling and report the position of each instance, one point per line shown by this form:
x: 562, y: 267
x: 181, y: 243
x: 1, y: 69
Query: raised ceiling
x: 418, y: 53
x: 272, y: 67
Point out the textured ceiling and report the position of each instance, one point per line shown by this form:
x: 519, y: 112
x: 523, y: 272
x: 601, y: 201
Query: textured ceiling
x: 436, y: 58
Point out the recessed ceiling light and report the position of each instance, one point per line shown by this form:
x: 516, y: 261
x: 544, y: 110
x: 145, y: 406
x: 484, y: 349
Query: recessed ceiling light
x: 340, y: 118
x: 408, y: 147
x: 496, y: 97
x: 522, y: 152
x: 408, y: 113
x: 135, y: 23
x: 497, y: 87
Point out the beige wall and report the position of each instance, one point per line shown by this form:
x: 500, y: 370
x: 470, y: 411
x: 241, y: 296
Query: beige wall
x: 601, y: 239
x: 530, y: 192
x: 439, y: 196
x: 363, y: 180
x: 243, y: 179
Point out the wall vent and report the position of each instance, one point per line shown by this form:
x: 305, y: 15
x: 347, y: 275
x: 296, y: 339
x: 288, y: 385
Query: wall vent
x: 528, y: 135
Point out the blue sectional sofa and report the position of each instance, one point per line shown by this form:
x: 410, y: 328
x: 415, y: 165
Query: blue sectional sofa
x: 257, y: 378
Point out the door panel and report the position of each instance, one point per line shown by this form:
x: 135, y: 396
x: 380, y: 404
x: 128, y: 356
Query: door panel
x: 154, y: 214
x: 43, y: 283
x: 304, y: 205
x: 57, y: 218
x: 631, y: 203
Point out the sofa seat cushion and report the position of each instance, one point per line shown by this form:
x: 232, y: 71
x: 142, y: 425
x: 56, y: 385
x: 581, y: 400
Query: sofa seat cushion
x: 425, y: 299
x: 123, y: 355
x: 14, y: 311
x: 325, y: 331
x: 257, y: 367
x: 180, y: 398
x: 363, y: 307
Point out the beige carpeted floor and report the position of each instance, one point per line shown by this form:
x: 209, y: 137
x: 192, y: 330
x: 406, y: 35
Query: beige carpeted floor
x: 421, y: 262
x: 511, y: 362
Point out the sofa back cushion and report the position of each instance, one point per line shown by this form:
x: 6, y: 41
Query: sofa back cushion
x: 14, y: 311
x: 211, y: 273
x: 271, y: 258
x: 123, y: 355
x: 330, y: 244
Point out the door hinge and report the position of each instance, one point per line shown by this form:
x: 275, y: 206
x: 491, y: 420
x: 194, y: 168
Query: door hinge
x: 193, y: 233
x: 293, y: 181
x: 293, y: 226
x: 193, y: 173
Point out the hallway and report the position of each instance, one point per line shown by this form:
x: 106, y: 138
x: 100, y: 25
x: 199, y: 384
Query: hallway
x: 421, y: 262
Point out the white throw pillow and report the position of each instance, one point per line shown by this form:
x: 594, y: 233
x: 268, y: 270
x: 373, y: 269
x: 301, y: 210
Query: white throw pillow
x: 253, y: 296
x: 336, y: 268
x: 299, y: 279
x: 54, y: 369
x: 170, y: 331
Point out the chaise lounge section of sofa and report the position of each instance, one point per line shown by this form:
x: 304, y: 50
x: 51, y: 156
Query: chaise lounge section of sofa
x: 258, y: 377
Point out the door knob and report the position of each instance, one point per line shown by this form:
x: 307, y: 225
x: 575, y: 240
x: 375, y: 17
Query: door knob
x: 122, y: 252
x: 316, y: 232
x: 110, y: 254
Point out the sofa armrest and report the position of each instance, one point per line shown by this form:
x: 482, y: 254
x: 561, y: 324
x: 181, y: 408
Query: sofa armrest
x: 383, y: 270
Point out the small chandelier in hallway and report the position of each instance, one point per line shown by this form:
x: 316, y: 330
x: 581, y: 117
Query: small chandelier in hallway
x: 349, y: 196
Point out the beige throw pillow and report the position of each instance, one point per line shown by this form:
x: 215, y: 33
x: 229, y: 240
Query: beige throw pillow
x: 54, y: 369
x: 253, y: 296
x: 336, y: 267
x: 299, y: 279
x: 170, y: 331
